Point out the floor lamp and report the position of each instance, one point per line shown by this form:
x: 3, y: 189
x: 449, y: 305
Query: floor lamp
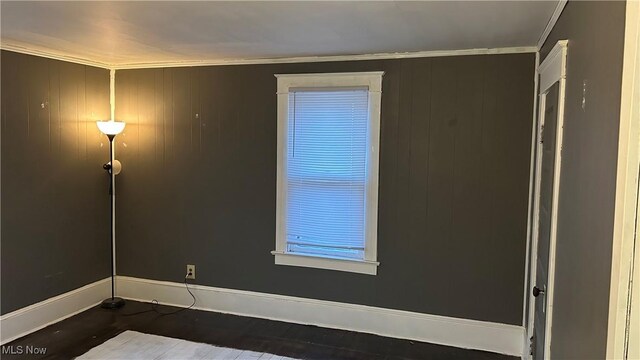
x: 113, y: 167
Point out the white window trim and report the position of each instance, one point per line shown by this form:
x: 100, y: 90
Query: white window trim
x: 373, y: 81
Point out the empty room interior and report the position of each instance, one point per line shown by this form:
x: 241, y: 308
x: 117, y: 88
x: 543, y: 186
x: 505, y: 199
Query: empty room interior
x: 325, y: 180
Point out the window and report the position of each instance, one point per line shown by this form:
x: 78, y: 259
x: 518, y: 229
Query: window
x: 328, y: 140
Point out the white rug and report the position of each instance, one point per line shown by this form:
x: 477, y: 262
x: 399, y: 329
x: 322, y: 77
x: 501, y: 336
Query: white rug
x: 135, y: 345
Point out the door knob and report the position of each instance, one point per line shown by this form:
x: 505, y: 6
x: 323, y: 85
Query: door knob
x: 537, y: 291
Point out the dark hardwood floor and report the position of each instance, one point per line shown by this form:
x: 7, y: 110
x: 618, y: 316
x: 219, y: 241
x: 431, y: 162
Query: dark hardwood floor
x: 76, y: 335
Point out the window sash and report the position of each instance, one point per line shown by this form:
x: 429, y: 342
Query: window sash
x: 326, y: 178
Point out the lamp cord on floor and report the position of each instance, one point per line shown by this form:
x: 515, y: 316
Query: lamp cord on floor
x: 155, y: 303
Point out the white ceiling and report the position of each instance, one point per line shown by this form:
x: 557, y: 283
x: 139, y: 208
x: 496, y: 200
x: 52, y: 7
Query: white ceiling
x: 120, y: 33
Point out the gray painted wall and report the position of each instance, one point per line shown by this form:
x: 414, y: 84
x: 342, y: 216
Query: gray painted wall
x: 595, y: 31
x: 199, y: 183
x: 55, y: 208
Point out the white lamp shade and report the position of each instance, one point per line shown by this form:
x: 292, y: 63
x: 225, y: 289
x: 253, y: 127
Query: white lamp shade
x: 111, y: 127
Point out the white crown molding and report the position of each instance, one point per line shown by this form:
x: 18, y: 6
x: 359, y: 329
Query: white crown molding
x: 31, y: 50
x: 34, y: 317
x: 552, y: 22
x: 28, y: 49
x: 309, y: 59
x: 462, y: 333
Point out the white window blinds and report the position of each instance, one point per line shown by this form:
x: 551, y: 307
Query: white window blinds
x: 326, y: 172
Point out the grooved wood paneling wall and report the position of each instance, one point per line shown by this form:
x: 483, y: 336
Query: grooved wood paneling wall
x: 199, y: 184
x: 595, y: 30
x: 55, y: 209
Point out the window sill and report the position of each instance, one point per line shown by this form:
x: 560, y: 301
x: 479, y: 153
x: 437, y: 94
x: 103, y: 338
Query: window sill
x: 356, y: 266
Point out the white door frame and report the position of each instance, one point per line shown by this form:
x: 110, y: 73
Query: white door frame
x: 552, y: 70
x: 625, y: 220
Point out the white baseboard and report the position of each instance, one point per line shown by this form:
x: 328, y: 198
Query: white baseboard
x: 526, y: 346
x: 463, y: 333
x: 34, y: 317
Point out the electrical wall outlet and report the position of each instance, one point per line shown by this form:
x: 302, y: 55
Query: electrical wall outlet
x: 191, y: 271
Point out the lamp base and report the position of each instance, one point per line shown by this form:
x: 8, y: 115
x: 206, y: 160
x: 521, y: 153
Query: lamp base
x: 113, y: 303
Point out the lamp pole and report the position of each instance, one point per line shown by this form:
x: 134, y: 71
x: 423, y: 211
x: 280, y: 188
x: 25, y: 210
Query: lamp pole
x: 112, y: 200
x: 114, y: 302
